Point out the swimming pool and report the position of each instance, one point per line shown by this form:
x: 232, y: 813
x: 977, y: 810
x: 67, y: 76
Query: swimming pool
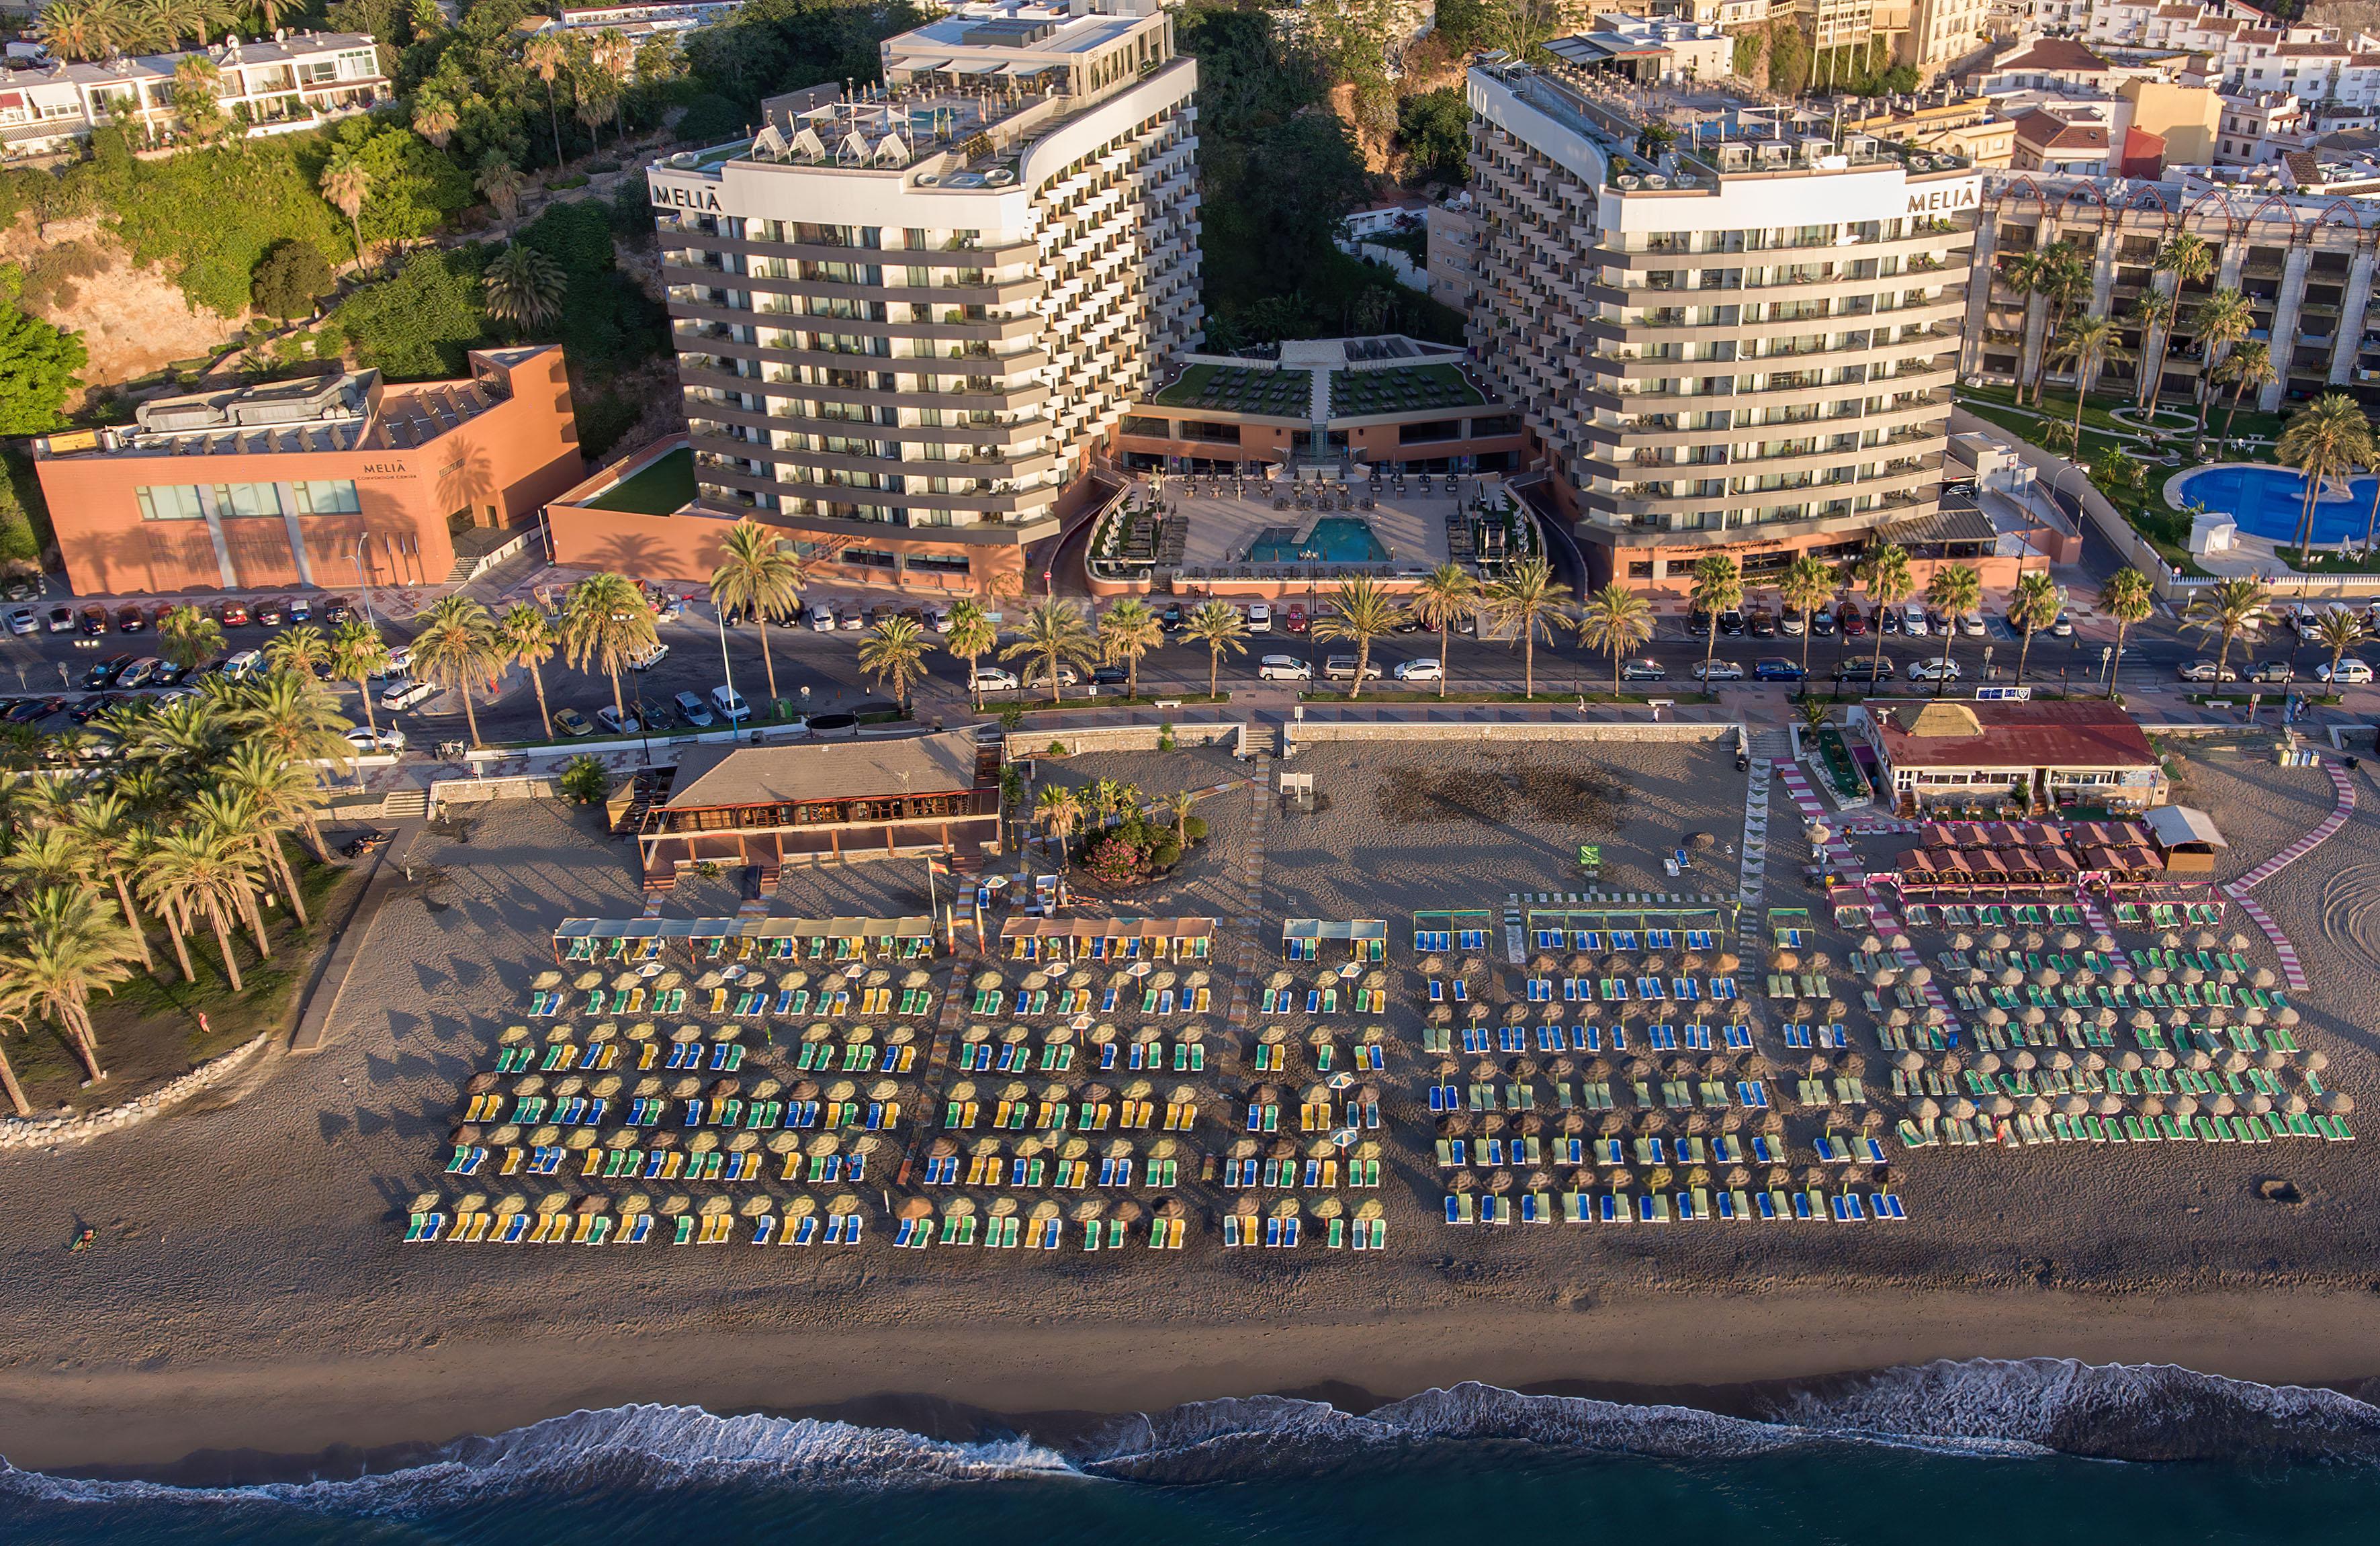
x: 2267, y: 501
x: 1335, y: 540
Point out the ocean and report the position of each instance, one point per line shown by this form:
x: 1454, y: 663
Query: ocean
x: 2036, y: 1451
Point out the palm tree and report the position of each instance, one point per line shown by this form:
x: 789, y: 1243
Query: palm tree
x: 616, y: 57
x: 2023, y: 272
x: 1363, y: 613
x: 188, y: 638
x: 525, y: 287
x: 895, y: 651
x: 525, y: 638
x: 2065, y: 280
x: 60, y: 949
x: 2340, y: 631
x: 232, y: 821
x: 1884, y: 575
x: 971, y: 638
x: 546, y: 56
x: 606, y: 621
x: 1128, y: 631
x: 347, y: 183
x: 2088, y: 343
x: 2032, y: 606
x: 45, y: 856
x: 1058, y: 809
x: 1809, y: 584
x: 457, y: 648
x: 2248, y: 367
x: 1616, y: 621
x: 297, y: 721
x: 1522, y: 601
x: 1180, y: 805
x: 358, y: 654
x: 16, y: 1008
x: 500, y: 184
x: 102, y: 824
x: 304, y: 650
x: 1055, y: 635
x: 182, y: 738
x: 2152, y: 313
x: 2126, y: 597
x: 1445, y: 594
x: 2228, y: 609
x: 281, y: 796
x: 1953, y: 591
x: 1719, y: 588
x: 757, y: 573
x: 70, y: 30
x: 2324, y: 438
x: 2222, y: 320
x: 2185, y: 259
x: 1219, y: 626
x: 434, y: 119
x: 194, y: 872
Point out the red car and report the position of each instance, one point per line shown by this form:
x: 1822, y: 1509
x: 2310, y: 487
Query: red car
x: 232, y: 614
x: 1855, y: 623
x: 1295, y: 622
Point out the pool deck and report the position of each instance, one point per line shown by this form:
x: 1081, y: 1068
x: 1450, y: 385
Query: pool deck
x: 2251, y: 557
x: 1413, y: 528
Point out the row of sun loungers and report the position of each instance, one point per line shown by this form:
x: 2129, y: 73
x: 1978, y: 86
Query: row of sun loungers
x: 2058, y: 1128
x: 566, y: 1228
x: 1693, y: 1204
x: 1484, y: 1040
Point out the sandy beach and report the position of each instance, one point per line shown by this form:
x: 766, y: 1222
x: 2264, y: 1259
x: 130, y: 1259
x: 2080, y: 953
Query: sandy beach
x: 250, y: 1288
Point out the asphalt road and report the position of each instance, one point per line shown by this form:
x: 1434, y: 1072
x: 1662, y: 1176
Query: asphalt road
x: 820, y: 673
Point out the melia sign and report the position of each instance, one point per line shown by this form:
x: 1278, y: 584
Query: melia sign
x: 702, y: 196
x: 1946, y: 198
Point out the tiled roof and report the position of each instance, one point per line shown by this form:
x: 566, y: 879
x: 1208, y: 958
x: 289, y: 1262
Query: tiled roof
x: 2034, y: 734
x: 715, y: 776
x: 2050, y: 132
x: 2054, y: 54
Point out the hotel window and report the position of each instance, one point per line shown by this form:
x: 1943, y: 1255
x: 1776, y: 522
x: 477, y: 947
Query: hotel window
x: 334, y: 496
x: 170, y: 501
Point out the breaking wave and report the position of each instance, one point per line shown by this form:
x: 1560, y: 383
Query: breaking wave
x: 1982, y: 1407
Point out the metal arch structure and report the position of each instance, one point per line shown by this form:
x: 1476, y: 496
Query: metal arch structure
x: 2297, y: 231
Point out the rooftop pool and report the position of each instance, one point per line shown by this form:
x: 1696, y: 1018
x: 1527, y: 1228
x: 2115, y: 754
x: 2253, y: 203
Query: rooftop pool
x: 2267, y: 501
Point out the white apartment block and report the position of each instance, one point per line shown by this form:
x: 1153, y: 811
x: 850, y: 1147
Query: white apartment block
x: 2259, y: 130
x: 903, y: 323
x: 2249, y: 52
x: 272, y: 86
x: 1941, y: 32
x: 1716, y: 13
x: 1746, y: 346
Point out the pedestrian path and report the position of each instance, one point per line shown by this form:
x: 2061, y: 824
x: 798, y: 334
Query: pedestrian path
x: 1752, y: 881
x: 2342, y: 806
x: 2292, y: 969
x: 1252, y: 876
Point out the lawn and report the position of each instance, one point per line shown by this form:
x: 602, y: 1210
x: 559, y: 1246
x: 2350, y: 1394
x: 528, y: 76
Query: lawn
x: 660, y: 487
x: 2251, y: 422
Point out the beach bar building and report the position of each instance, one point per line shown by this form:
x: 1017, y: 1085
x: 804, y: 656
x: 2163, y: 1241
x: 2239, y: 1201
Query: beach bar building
x: 1047, y: 940
x: 824, y: 802
x: 1954, y: 754
x: 1366, y: 938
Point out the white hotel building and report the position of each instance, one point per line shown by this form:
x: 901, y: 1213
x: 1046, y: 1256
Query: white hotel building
x: 1744, y: 345
x: 903, y: 323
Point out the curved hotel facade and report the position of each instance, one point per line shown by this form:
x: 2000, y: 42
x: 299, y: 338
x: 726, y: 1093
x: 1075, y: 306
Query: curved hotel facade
x: 1743, y: 342
x: 903, y: 323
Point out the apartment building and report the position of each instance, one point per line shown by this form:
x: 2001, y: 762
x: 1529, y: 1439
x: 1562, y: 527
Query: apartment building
x: 1960, y: 126
x: 1942, y: 32
x: 325, y: 482
x: 906, y: 321
x: 2304, y: 261
x: 1716, y: 13
x: 1744, y: 346
x: 2260, y: 128
x: 272, y: 86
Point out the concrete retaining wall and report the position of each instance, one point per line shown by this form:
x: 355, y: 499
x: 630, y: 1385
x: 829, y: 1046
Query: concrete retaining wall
x: 1315, y: 731
x: 473, y: 791
x: 36, y: 1132
x: 1030, y: 743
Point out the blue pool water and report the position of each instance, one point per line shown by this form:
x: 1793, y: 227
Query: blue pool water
x: 1335, y: 540
x: 2267, y: 501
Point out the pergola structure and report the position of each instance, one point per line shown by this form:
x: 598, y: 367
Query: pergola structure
x: 1367, y: 938
x: 1107, y: 938
x: 726, y: 939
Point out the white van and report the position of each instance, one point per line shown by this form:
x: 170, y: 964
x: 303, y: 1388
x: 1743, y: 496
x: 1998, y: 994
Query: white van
x: 650, y: 658
x: 731, y: 704
x: 1260, y: 618
x: 404, y: 693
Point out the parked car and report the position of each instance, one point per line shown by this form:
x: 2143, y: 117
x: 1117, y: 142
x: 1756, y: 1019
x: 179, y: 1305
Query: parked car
x: 1971, y: 624
x: 130, y: 620
x: 1295, y: 621
x: 1419, y: 671
x: 1717, y: 670
x: 2205, y: 671
x: 992, y: 679
x: 232, y: 614
x: 102, y: 675
x: 1111, y: 676
x: 1850, y: 619
x: 1760, y: 623
x: 92, y: 706
x: 1822, y: 625
x: 1171, y: 618
x: 272, y: 614
x: 618, y: 721
x: 1776, y: 668
x: 2270, y: 672
x: 1887, y: 620
x: 167, y: 674
x: 569, y: 721
x: 1260, y: 618
x: 242, y: 663
x: 368, y: 741
x: 1067, y: 677
x: 19, y: 587
x: 1935, y: 669
x: 1913, y: 621
x: 822, y: 618
x: 61, y: 620
x: 1792, y: 622
x: 1867, y: 670
x: 938, y: 618
x: 27, y: 711
x: 2348, y: 673
x: 336, y: 610
x: 694, y: 711
x: 1730, y: 622
x: 656, y: 718
x: 1341, y: 667
x: 94, y: 622
x: 1642, y: 671
x: 24, y: 620
x: 2063, y: 628
x: 1284, y: 668
x: 141, y: 674
x: 730, y: 705
x: 404, y: 693
x: 851, y: 618
x: 647, y: 659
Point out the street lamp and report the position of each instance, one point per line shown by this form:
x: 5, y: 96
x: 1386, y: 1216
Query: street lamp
x: 729, y: 671
x: 2106, y: 665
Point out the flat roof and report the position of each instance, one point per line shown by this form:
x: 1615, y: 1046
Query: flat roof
x: 722, y: 776
x: 1960, y: 732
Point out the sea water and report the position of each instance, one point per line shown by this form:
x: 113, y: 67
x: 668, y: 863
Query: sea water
x: 2040, y: 1451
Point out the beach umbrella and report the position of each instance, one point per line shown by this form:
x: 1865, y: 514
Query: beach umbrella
x: 2239, y: 942
x: 2012, y: 976
x: 2102, y: 942
x: 1998, y: 941
x: 2317, y: 1061
x: 2070, y: 940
